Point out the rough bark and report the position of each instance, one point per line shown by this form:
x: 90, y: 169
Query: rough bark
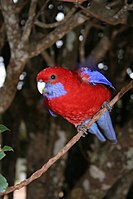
x: 19, y: 55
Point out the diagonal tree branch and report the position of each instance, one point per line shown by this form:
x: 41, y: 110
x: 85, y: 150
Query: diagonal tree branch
x: 103, y: 12
x: 65, y: 149
x: 55, y: 24
x: 75, y: 20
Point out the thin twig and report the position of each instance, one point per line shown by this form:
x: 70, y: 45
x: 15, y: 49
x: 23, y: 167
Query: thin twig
x: 82, y: 44
x: 41, y: 11
x: 73, y: 1
x: 102, y: 13
x: 55, y: 24
x: 29, y: 22
x: 65, y: 149
x: 47, y: 58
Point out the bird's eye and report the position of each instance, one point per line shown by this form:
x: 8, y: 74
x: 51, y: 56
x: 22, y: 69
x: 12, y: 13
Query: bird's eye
x: 53, y: 77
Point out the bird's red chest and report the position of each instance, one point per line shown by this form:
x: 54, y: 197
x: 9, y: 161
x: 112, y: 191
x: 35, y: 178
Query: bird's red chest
x: 79, y: 103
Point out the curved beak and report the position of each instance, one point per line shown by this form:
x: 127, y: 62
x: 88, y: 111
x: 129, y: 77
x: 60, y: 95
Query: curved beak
x: 41, y: 87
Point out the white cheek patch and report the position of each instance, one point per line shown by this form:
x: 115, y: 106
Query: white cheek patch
x: 41, y: 86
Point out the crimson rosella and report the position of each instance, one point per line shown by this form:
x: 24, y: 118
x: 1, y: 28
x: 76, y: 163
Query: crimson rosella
x: 77, y: 96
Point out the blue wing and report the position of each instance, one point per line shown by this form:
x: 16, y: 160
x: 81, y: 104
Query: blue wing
x: 105, y: 124
x: 93, y: 76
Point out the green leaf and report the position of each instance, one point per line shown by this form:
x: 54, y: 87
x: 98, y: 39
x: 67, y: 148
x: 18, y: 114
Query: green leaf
x: 3, y: 183
x: 2, y: 155
x: 7, y: 148
x: 3, y: 128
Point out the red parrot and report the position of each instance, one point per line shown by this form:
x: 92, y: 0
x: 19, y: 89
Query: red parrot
x: 77, y: 95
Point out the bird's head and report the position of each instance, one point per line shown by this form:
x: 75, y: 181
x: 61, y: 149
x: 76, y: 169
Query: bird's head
x: 51, y: 81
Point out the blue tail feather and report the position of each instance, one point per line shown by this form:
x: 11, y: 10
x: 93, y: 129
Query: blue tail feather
x: 105, y: 124
x: 94, y: 130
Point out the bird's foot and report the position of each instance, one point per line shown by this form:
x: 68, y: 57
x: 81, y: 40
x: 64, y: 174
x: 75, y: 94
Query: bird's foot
x: 82, y: 129
x: 107, y: 106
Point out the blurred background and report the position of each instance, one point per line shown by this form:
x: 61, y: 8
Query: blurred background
x: 35, y: 34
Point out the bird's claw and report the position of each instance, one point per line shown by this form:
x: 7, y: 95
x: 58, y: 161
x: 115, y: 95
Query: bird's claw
x: 82, y: 129
x: 107, y: 105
